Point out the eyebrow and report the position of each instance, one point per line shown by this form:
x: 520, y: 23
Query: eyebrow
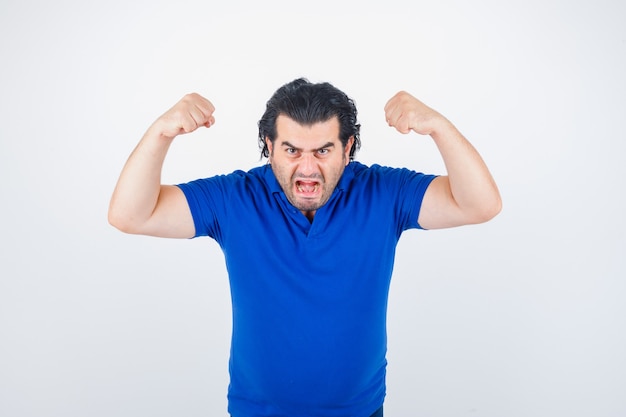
x: 289, y: 145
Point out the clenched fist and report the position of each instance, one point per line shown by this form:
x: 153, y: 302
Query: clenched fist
x: 406, y: 113
x: 191, y: 112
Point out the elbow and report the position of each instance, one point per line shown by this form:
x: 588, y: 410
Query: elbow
x: 489, y: 210
x: 117, y: 221
x: 120, y: 221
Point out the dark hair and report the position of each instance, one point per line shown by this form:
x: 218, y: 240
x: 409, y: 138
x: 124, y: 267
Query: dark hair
x: 308, y: 103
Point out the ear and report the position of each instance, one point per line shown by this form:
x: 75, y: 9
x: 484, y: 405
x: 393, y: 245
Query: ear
x: 269, y: 144
x: 346, y: 150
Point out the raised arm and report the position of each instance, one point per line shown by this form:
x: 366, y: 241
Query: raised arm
x: 140, y: 203
x: 467, y: 194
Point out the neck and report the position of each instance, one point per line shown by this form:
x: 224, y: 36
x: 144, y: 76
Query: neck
x: 309, y: 215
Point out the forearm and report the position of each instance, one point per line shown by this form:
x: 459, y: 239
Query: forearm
x: 472, y: 187
x: 468, y: 194
x: 137, y: 191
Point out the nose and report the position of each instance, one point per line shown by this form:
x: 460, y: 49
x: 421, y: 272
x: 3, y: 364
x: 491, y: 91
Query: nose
x: 308, y: 164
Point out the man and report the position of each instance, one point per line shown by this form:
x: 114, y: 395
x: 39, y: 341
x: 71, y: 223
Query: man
x: 309, y: 240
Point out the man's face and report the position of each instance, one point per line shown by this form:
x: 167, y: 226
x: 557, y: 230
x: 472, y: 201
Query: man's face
x: 308, y: 161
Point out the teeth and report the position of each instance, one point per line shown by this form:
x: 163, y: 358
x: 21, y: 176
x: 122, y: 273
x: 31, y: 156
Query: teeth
x: 299, y: 187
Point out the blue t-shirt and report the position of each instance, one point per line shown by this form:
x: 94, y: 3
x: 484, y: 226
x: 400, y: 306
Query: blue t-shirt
x: 309, y: 300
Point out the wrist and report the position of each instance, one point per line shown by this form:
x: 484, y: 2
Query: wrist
x: 159, y: 130
x: 440, y: 126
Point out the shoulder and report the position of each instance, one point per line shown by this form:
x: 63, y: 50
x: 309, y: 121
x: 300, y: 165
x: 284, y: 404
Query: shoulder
x: 223, y: 193
x: 387, y: 182
x: 239, y: 185
x: 257, y: 174
x: 383, y: 173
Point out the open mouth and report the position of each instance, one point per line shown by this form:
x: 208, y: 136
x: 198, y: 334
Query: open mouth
x: 307, y: 187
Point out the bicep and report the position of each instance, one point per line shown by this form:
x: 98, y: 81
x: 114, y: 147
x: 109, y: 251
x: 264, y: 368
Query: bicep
x: 171, y: 216
x: 439, y: 210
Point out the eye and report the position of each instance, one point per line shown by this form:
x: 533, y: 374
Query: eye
x: 323, y: 151
x: 291, y: 151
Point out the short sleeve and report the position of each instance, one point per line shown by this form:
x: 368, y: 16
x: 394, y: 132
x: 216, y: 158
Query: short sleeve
x: 416, y: 187
x: 206, y: 198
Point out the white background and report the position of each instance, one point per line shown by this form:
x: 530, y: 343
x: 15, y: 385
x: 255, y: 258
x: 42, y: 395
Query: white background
x: 522, y: 316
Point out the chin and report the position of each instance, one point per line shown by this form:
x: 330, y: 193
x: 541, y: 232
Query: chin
x: 308, y: 207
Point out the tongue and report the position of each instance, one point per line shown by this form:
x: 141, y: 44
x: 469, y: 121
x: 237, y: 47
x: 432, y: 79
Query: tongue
x: 307, y: 187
